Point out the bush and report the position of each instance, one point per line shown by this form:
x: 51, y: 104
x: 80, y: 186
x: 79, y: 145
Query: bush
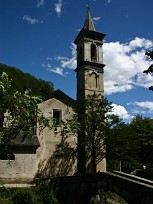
x: 24, y: 196
x: 48, y: 195
x: 4, y: 192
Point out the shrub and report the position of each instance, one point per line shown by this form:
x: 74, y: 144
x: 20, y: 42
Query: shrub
x: 24, y: 196
x: 4, y: 192
x: 48, y: 194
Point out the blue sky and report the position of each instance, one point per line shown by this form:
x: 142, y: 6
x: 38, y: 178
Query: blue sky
x: 37, y: 37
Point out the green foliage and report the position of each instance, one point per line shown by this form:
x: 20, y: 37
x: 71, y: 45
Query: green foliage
x: 21, y: 110
x: 22, y: 81
x: 66, y: 127
x: 96, y: 119
x: 4, y: 192
x: 143, y: 131
x: 24, y: 196
x: 119, y: 143
x: 48, y: 194
x: 19, y: 113
x: 131, y: 144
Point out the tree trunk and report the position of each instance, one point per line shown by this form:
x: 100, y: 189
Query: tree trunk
x: 93, y: 152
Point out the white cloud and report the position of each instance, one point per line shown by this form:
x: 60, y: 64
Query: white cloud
x: 142, y: 107
x: 58, y: 7
x: 47, y: 65
x: 121, y: 112
x: 96, y: 18
x: 31, y: 20
x: 57, y: 70
x: 125, y: 64
x: 140, y: 42
x: 69, y: 63
x: 40, y: 3
x: 63, y: 63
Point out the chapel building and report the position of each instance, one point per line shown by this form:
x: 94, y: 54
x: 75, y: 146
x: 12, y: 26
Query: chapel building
x: 43, y: 155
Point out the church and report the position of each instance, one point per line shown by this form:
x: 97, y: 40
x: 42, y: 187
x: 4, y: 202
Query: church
x: 42, y: 156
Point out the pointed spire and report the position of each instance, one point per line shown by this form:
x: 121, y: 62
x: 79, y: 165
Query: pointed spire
x: 88, y: 22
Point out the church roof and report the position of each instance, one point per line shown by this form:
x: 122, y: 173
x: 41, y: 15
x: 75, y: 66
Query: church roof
x: 61, y: 96
x: 88, y: 22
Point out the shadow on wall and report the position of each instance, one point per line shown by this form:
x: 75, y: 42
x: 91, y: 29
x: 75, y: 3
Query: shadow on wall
x: 61, y: 163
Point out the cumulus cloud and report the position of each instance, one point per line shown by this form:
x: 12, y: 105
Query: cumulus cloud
x: 58, y: 7
x: 144, y: 107
x: 125, y: 64
x: 69, y: 63
x: 31, y: 20
x: 40, y: 3
x: 63, y: 63
x: 121, y: 112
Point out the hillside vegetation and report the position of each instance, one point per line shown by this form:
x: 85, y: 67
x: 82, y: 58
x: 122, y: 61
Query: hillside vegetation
x: 22, y: 81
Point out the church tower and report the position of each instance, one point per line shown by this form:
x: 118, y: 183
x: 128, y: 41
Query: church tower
x: 89, y: 60
x: 89, y: 71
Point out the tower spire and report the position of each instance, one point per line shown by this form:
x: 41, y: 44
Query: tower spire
x: 88, y: 22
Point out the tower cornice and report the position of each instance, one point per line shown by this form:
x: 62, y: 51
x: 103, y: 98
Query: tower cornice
x: 89, y: 65
x: 89, y: 34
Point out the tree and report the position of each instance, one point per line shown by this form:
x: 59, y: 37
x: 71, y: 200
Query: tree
x: 150, y: 69
x: 22, y: 81
x: 121, y: 147
x: 131, y: 143
x: 19, y: 115
x: 18, y: 112
x: 143, y: 131
x: 96, y: 119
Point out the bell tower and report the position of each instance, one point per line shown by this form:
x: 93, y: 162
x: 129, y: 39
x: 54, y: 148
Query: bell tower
x: 90, y: 67
x: 89, y: 71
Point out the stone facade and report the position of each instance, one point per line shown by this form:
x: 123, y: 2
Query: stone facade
x: 56, y: 160
x: 46, y: 157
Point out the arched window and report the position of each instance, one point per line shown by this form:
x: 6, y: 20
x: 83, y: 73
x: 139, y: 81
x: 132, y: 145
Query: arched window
x: 7, y: 156
x: 93, y: 53
x: 93, y: 80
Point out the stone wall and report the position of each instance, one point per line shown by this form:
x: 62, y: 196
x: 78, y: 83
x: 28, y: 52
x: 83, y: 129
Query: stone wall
x: 20, y: 170
x: 49, y: 159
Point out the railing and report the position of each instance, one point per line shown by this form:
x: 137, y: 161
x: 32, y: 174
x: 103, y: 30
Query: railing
x: 132, y: 178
